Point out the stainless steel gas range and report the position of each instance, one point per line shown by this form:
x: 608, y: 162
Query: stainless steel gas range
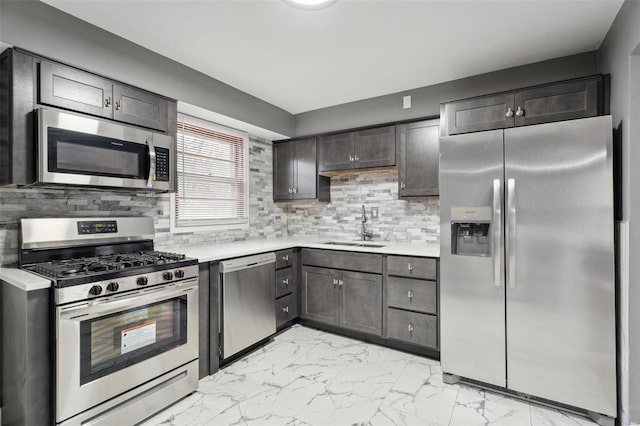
x: 125, y: 317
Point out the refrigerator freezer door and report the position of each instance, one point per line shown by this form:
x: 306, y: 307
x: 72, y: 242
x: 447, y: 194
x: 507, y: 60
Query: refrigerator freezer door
x: 472, y: 295
x: 560, y: 296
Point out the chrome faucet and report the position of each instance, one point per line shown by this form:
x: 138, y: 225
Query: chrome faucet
x: 364, y: 234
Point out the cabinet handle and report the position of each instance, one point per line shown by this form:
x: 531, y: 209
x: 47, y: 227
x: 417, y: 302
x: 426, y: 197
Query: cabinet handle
x: 509, y: 112
x: 357, y: 158
x: 286, y: 282
x: 295, y: 190
x: 340, y: 283
x: 285, y: 258
x: 519, y: 112
x: 335, y: 282
x: 107, y: 102
x: 290, y: 190
x: 410, y: 328
x: 410, y: 295
x: 402, y: 185
x: 351, y: 158
x: 285, y: 309
x: 410, y: 267
x: 118, y: 105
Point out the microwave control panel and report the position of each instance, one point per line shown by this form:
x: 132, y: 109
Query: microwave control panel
x: 162, y: 164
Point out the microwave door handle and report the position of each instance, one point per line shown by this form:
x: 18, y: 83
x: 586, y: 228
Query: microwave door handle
x: 152, y: 163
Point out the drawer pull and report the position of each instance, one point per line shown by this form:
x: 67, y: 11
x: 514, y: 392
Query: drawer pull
x: 286, y: 282
x: 335, y: 282
x: 410, y: 295
x: 410, y: 328
x: 340, y: 283
x: 290, y: 190
x: 285, y: 309
x: 410, y: 267
x: 285, y: 258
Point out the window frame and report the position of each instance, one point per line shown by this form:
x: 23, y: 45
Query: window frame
x: 222, y: 224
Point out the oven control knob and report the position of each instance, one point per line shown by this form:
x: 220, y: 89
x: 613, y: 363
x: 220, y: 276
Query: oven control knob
x: 113, y: 286
x: 142, y: 281
x: 168, y: 276
x: 179, y: 273
x: 95, y: 290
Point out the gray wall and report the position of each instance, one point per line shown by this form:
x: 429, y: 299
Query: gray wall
x: 398, y: 220
x: 266, y: 218
x: 426, y: 100
x: 616, y: 56
x: 43, y: 29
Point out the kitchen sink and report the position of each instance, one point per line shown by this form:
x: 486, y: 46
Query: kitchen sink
x: 354, y: 244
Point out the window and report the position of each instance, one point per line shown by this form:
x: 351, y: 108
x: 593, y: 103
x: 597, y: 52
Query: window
x: 212, y: 176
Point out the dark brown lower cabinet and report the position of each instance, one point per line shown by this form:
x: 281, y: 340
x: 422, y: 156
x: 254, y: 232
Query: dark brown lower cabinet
x: 287, y: 291
x: 348, y: 299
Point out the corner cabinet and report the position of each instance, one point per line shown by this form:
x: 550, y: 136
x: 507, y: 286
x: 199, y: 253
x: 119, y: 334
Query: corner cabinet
x: 295, y: 175
x: 565, y: 100
x: 365, y: 149
x: 418, y: 159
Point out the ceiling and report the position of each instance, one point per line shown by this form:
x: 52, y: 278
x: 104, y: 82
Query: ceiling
x: 304, y: 60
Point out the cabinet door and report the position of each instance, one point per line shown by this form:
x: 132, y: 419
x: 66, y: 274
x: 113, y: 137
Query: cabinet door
x: 305, y: 175
x: 283, y: 171
x: 478, y: 114
x: 139, y: 107
x: 69, y: 88
x: 361, y: 302
x: 320, y: 295
x: 286, y: 310
x: 418, y: 159
x: 336, y: 152
x: 558, y: 102
x: 375, y: 147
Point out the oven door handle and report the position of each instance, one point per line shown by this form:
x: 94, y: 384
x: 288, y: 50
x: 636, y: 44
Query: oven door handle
x: 98, y: 308
x: 152, y: 163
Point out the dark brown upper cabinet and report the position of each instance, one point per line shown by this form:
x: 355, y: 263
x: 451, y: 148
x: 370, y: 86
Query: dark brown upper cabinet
x: 364, y: 149
x: 565, y: 100
x: 69, y: 88
x: 295, y: 175
x: 418, y: 158
x: 80, y: 91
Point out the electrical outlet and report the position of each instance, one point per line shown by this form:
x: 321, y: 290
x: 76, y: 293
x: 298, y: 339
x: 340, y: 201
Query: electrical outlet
x: 374, y: 212
x: 406, y: 102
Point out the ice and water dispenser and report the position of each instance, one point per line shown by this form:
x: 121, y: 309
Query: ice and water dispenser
x: 471, y: 231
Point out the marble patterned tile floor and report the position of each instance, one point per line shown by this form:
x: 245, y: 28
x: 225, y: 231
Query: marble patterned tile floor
x: 309, y: 377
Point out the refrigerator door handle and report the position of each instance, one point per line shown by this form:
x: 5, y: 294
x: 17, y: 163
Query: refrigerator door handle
x: 498, y: 247
x: 511, y: 232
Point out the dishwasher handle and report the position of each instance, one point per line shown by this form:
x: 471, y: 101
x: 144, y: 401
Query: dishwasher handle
x: 246, y: 262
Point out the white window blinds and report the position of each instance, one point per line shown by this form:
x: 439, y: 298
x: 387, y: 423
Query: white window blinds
x: 212, y: 174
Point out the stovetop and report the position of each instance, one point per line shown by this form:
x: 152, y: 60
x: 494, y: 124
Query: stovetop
x: 75, y: 271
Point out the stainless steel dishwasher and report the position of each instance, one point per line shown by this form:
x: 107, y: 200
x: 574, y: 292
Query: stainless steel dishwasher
x: 248, y: 301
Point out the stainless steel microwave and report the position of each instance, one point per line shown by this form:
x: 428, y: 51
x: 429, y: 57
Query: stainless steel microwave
x: 75, y: 149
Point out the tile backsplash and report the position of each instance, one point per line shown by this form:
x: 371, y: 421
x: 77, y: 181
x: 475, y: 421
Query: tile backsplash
x: 398, y: 220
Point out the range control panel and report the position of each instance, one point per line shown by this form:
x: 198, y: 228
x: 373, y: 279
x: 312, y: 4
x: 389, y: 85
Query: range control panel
x: 97, y: 227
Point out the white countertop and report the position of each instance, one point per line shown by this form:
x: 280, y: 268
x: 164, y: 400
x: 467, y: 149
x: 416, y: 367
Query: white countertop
x: 220, y: 251
x: 26, y: 281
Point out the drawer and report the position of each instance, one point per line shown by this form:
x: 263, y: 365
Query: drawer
x: 416, y: 295
x: 286, y: 309
x: 412, y: 327
x: 284, y: 258
x: 352, y: 261
x: 285, y: 281
x: 412, y: 267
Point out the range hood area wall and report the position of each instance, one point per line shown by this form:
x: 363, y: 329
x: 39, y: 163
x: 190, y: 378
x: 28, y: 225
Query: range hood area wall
x: 266, y: 219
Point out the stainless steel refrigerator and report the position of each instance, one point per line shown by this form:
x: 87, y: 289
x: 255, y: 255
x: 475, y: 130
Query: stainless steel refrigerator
x: 527, y: 261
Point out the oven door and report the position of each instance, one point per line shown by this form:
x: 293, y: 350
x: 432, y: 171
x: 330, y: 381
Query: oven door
x: 108, y: 346
x: 79, y: 150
